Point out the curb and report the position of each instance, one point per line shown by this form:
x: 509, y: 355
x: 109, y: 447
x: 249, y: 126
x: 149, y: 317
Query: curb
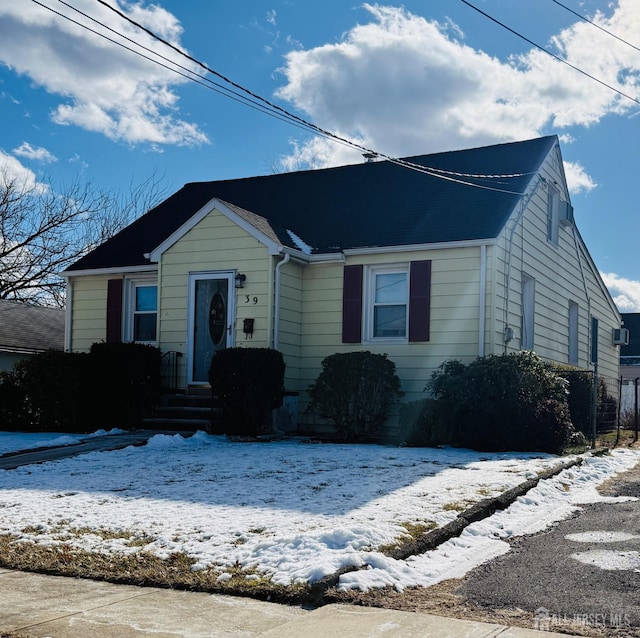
x: 432, y: 539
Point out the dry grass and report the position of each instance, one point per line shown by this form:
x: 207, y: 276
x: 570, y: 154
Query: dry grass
x: 414, y: 532
x: 626, y: 438
x: 142, y: 568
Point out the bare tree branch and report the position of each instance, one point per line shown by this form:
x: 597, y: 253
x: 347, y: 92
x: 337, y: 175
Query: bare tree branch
x: 42, y: 231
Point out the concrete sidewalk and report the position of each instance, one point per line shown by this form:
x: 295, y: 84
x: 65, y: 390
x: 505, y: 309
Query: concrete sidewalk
x: 38, y: 606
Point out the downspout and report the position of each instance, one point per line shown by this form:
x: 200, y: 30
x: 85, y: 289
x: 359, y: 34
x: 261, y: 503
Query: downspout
x: 68, y: 313
x: 276, y: 303
x: 483, y: 303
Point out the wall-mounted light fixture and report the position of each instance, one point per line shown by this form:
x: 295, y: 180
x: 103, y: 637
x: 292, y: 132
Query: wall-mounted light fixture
x: 240, y: 279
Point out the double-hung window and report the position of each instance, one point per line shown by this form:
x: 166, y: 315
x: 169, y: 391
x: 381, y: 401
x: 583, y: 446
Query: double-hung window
x: 389, y: 303
x: 141, y: 318
x: 386, y: 303
x: 145, y: 313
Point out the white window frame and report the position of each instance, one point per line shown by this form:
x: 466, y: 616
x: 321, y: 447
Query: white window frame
x: 370, y: 291
x: 131, y: 284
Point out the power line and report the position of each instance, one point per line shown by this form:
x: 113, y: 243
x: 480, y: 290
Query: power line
x: 314, y: 127
x: 193, y: 76
x: 613, y: 35
x: 259, y: 103
x: 553, y: 55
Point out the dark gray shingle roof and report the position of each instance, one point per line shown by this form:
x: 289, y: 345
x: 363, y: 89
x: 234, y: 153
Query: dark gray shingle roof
x: 25, y: 328
x: 374, y: 204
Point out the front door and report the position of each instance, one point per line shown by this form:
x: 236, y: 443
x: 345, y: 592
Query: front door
x: 211, y: 324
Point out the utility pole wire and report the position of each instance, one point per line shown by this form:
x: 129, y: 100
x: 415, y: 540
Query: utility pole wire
x: 613, y: 35
x: 553, y: 55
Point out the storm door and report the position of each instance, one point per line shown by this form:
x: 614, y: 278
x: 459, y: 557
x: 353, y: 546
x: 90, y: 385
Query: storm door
x: 210, y: 321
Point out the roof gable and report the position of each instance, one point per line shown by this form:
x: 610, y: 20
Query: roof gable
x: 375, y: 204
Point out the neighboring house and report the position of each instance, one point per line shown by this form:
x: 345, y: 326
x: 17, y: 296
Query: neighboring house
x: 463, y: 254
x: 630, y: 352
x: 26, y: 330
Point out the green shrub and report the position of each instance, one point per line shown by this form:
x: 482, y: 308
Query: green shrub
x: 114, y: 385
x: 127, y: 381
x: 508, y: 402
x: 355, y: 391
x: 579, y: 396
x: 580, y: 401
x: 249, y: 382
x: 14, y: 413
x: 58, y: 390
x: 420, y: 424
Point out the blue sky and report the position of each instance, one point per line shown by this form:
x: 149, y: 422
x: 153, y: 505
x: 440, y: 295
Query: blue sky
x: 403, y: 79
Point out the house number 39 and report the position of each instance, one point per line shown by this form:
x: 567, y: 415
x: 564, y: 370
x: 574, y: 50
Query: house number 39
x: 252, y: 300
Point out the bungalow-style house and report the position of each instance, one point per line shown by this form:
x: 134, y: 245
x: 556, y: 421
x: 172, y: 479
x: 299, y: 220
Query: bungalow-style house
x: 450, y: 255
x: 26, y: 330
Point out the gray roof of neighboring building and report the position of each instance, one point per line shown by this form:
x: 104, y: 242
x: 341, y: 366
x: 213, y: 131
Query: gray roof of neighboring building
x: 372, y: 204
x: 27, y: 328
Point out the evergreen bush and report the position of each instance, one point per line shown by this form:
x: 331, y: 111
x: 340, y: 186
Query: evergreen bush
x: 127, y: 382
x: 14, y: 414
x: 114, y: 385
x: 579, y: 398
x: 504, y: 402
x: 420, y: 424
x: 58, y: 390
x: 249, y: 382
x: 355, y: 391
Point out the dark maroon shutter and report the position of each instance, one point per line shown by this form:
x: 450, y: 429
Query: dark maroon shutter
x: 419, y: 300
x: 114, y: 310
x: 352, y: 305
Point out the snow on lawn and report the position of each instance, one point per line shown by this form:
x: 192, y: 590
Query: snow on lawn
x: 14, y: 441
x: 291, y: 511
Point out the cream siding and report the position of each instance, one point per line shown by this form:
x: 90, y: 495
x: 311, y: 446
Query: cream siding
x: 290, y: 324
x: 563, y: 273
x: 454, y: 325
x: 215, y: 244
x: 89, y: 311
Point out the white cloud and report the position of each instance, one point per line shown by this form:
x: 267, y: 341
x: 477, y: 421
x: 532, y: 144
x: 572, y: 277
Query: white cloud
x: 271, y: 17
x: 12, y: 170
x: 37, y: 153
x: 625, y: 292
x: 577, y: 178
x: 102, y: 87
x: 405, y: 85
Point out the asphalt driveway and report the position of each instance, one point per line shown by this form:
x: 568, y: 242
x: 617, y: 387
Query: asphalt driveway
x: 584, y: 573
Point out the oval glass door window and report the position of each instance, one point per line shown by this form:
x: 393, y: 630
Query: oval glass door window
x: 217, y: 318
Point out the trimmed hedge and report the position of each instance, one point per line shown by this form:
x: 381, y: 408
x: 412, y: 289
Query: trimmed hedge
x: 249, y: 382
x: 114, y: 385
x: 127, y: 380
x: 355, y: 391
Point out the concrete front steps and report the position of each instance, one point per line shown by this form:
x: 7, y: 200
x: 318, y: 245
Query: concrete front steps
x: 191, y: 410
